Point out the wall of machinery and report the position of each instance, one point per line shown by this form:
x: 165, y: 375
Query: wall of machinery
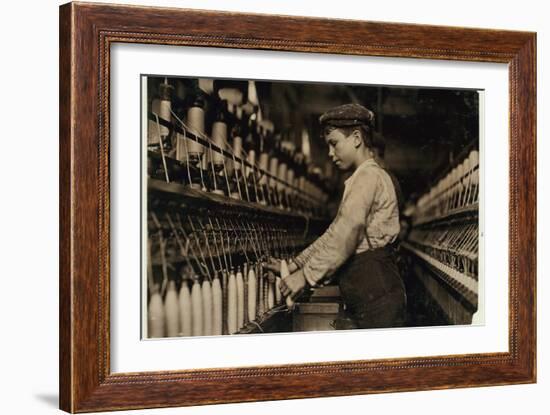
x: 226, y: 190
x: 443, y: 241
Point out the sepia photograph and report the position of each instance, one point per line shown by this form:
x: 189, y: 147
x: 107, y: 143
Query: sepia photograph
x: 274, y: 206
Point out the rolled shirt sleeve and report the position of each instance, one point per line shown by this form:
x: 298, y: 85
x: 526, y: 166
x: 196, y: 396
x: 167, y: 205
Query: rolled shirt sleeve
x: 304, y: 256
x: 322, y: 258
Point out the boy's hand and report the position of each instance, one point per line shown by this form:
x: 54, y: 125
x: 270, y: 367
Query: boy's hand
x: 273, y: 265
x: 293, y: 285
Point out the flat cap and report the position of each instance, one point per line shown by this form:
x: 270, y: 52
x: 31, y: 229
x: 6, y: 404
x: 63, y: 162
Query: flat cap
x: 347, y: 115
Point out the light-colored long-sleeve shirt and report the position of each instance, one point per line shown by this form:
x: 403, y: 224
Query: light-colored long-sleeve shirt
x: 368, y: 218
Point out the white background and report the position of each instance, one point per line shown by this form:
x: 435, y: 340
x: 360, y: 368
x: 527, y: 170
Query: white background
x: 29, y: 228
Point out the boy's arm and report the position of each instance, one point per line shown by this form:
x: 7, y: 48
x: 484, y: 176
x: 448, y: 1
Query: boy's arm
x: 340, y: 240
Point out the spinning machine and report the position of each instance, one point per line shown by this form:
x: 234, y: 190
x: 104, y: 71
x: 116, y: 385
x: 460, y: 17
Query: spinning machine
x: 224, y: 195
x: 444, y: 240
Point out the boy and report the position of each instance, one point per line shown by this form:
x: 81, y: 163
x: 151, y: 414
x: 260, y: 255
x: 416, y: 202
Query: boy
x: 357, y: 248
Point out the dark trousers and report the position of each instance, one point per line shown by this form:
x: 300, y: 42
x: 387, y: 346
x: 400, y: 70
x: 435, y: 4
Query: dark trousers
x: 372, y: 290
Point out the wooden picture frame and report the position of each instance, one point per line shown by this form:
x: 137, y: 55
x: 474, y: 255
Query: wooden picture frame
x: 86, y: 33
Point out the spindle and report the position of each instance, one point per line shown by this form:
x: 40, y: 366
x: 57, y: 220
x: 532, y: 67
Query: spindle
x: 185, y: 308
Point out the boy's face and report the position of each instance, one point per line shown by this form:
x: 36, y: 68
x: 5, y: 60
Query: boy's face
x: 342, y: 149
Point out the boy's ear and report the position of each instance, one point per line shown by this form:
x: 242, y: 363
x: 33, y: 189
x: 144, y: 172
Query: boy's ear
x: 357, y: 138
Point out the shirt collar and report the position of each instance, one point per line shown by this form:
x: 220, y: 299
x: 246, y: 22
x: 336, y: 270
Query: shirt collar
x: 366, y: 163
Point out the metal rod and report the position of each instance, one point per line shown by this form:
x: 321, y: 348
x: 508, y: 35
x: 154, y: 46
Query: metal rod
x: 217, y: 247
x: 162, y: 151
